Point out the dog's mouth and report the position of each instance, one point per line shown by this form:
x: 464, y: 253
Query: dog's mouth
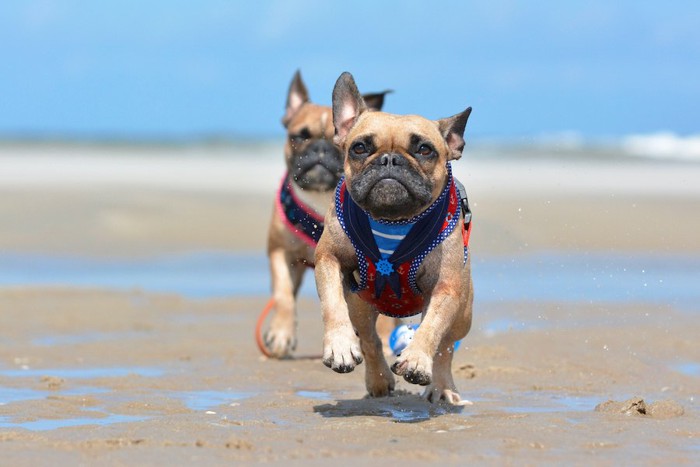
x: 391, y: 197
x: 388, y: 190
x: 389, y: 183
x: 318, y: 176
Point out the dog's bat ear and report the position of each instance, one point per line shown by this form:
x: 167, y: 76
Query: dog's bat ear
x: 375, y: 101
x: 452, y: 129
x: 296, y: 97
x: 347, y: 106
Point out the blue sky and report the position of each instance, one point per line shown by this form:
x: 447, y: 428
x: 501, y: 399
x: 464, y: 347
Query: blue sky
x: 188, y: 68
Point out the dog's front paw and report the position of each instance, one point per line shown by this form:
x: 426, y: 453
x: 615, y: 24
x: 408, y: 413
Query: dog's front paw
x: 341, y: 351
x: 434, y: 393
x: 416, y: 367
x: 280, y: 340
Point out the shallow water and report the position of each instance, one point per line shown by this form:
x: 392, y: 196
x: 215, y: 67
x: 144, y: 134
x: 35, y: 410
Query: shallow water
x: 10, y: 395
x: 206, y: 400
x: 688, y: 368
x: 535, y: 402
x: 93, y: 416
x: 401, y: 408
x: 52, y: 424
x: 84, y: 373
x: 561, y: 277
x: 314, y: 394
x: 196, y: 401
x: 86, y: 338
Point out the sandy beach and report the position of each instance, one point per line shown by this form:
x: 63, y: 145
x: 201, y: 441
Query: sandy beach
x: 585, y: 276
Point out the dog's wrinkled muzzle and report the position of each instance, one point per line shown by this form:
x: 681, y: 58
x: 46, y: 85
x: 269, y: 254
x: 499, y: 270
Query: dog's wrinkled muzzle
x: 319, y: 166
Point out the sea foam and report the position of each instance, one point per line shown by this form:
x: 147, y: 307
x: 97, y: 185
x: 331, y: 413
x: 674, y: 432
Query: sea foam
x: 663, y: 145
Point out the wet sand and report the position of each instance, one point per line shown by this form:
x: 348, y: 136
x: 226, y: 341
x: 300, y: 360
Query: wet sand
x: 99, y: 376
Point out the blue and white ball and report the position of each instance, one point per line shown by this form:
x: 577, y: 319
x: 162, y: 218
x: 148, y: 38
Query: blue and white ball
x: 402, y: 335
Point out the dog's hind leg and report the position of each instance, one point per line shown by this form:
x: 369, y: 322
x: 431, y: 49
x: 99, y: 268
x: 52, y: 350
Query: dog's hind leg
x: 379, y: 379
x: 385, y: 325
x: 442, y: 387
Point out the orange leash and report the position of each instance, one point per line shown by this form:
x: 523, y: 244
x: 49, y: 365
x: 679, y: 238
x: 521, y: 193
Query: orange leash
x: 258, y: 328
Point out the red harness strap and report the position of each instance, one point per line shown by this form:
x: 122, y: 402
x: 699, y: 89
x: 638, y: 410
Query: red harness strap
x: 389, y: 303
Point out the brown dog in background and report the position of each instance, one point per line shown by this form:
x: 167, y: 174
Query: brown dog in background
x: 396, y: 169
x: 314, y: 166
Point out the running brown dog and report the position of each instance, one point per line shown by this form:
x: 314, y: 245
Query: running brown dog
x: 395, y: 244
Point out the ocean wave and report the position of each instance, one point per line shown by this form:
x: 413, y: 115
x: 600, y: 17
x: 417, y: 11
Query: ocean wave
x: 663, y: 145
x: 570, y: 139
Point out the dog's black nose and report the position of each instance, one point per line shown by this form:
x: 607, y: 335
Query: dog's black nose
x: 390, y: 160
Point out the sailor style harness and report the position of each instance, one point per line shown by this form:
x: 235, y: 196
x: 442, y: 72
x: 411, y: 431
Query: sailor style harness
x: 389, y: 253
x: 302, y: 220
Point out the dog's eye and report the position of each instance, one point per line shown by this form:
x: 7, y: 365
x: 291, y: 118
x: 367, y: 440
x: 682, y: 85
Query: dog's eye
x: 425, y: 150
x: 298, y: 138
x: 359, y: 149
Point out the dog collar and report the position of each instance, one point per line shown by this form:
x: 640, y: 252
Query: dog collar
x: 302, y: 220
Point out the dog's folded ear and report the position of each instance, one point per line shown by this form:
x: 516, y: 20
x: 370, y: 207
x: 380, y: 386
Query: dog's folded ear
x: 296, y: 97
x: 375, y: 100
x: 347, y: 106
x: 452, y: 129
